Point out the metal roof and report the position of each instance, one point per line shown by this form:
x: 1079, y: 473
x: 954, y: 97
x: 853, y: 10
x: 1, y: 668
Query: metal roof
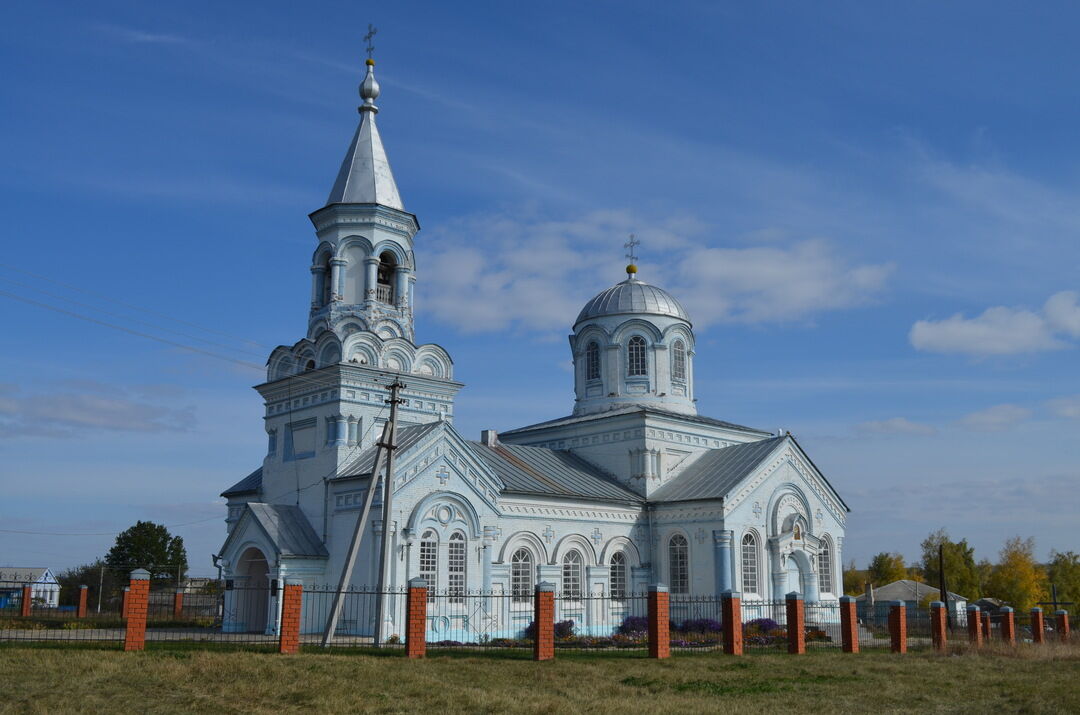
x: 573, y: 419
x: 365, y: 176
x: 550, y: 472
x: 907, y: 590
x: 407, y: 437
x: 717, y: 472
x: 633, y: 296
x: 289, y: 530
x: 248, y: 485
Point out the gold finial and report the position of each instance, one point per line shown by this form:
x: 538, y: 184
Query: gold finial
x: 369, y: 62
x: 631, y: 270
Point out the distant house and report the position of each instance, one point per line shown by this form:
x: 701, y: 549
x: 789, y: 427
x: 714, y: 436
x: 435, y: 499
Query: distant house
x: 989, y: 605
x: 912, y: 593
x: 45, y: 588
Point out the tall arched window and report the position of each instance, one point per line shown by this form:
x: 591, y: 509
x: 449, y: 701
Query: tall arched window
x: 521, y: 575
x: 618, y: 576
x: 455, y: 568
x: 429, y: 560
x: 679, y: 564
x: 750, y: 564
x: 635, y: 357
x: 384, y: 288
x: 678, y: 360
x: 592, y: 361
x: 571, y: 575
x: 824, y: 561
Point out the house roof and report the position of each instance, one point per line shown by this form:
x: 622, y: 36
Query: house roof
x: 23, y: 574
x: 248, y: 485
x: 550, y: 472
x: 717, y: 472
x: 288, y: 529
x: 908, y: 590
x: 631, y: 409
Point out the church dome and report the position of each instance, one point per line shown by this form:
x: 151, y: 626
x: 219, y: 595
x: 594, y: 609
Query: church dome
x: 633, y: 296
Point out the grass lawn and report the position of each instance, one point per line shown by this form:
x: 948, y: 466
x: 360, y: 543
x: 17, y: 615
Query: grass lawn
x: 169, y: 679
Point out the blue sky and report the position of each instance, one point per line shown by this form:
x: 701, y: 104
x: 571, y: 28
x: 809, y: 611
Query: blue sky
x: 869, y: 210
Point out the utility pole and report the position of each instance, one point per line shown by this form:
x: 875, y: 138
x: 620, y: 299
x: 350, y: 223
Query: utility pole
x: 385, y: 562
x: 100, y: 587
x: 944, y: 586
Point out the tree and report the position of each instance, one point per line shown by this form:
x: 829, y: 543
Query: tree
x: 961, y: 571
x: 854, y: 579
x: 149, y: 546
x: 1064, y: 572
x: 95, y: 576
x: 886, y: 568
x: 1017, y: 579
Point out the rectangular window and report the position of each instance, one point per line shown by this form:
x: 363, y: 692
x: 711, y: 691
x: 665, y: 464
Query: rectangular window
x: 300, y: 440
x: 455, y: 569
x: 429, y: 564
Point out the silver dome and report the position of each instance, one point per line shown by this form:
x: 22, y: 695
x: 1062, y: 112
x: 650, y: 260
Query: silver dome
x: 632, y: 296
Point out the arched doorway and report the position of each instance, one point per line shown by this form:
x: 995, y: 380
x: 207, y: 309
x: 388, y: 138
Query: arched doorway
x: 252, y: 586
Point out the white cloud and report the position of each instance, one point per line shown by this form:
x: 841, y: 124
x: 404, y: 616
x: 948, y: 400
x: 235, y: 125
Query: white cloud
x: 895, y: 425
x: 1001, y: 330
x: 996, y: 418
x: 137, y: 36
x: 1068, y: 407
x: 499, y: 271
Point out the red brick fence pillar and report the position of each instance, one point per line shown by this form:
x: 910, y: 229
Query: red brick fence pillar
x: 659, y: 621
x: 136, y: 602
x: 178, y: 604
x: 898, y: 627
x: 849, y: 625
x: 1008, y: 625
x: 416, y: 618
x: 292, y: 599
x: 938, y: 626
x: 731, y: 616
x: 80, y: 611
x: 1062, y: 618
x: 796, y: 624
x: 27, y: 601
x: 973, y: 626
x: 544, y: 618
x: 1038, y: 625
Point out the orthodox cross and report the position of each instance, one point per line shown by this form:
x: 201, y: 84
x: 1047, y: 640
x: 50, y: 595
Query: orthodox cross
x: 443, y: 475
x: 597, y: 536
x: 630, y: 246
x: 549, y: 533
x: 371, y: 32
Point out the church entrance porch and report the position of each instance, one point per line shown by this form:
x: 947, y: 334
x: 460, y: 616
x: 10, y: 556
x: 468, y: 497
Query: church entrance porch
x: 247, y: 603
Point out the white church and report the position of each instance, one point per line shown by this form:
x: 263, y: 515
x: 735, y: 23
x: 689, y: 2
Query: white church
x: 632, y: 488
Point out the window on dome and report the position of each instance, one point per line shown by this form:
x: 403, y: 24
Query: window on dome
x: 592, y: 361
x: 635, y: 357
x: 678, y: 360
x: 618, y: 576
x: 749, y: 564
x: 571, y: 576
x: 521, y: 576
x: 679, y: 564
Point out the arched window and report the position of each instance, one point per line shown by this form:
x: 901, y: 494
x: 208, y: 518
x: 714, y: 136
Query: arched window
x: 521, y: 576
x: 824, y: 562
x: 592, y: 361
x: 678, y: 360
x: 750, y: 564
x: 679, y: 564
x: 429, y: 560
x: 571, y: 575
x: 455, y: 568
x: 309, y: 365
x: 326, y: 291
x: 635, y: 357
x: 618, y: 576
x: 797, y: 532
x: 384, y: 289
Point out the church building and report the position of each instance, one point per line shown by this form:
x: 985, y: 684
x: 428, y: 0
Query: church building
x: 633, y: 487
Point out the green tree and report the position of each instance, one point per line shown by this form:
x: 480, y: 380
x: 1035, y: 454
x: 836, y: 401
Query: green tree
x: 95, y: 576
x: 1017, y: 579
x: 961, y: 571
x: 1064, y: 572
x: 854, y: 579
x: 149, y: 546
x: 886, y: 568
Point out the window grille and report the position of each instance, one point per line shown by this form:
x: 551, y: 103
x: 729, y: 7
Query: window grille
x: 678, y: 361
x: 679, y: 564
x: 824, y: 568
x: 635, y: 357
x: 749, y: 564
x: 618, y: 576
x: 571, y: 576
x: 592, y: 362
x: 455, y: 568
x: 429, y: 561
x: 521, y: 576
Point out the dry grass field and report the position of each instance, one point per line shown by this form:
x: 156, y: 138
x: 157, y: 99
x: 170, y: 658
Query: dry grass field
x: 72, y: 679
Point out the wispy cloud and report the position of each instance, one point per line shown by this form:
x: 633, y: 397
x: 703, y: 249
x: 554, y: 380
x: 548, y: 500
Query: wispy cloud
x: 996, y: 419
x: 896, y: 425
x: 1002, y: 330
x: 138, y: 36
x: 1067, y: 407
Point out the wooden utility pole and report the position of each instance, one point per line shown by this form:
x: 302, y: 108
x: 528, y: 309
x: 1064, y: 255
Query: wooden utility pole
x: 385, y: 562
x: 944, y: 585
